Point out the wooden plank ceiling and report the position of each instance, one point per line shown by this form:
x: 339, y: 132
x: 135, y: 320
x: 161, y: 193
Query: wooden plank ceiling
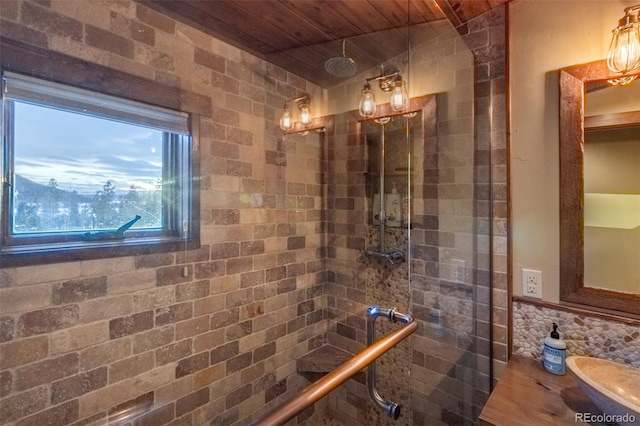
x: 300, y: 35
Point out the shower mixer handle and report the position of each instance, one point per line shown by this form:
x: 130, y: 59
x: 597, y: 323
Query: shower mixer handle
x: 394, y: 257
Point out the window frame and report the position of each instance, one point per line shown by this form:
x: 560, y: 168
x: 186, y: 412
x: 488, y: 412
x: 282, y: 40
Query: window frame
x: 25, y: 250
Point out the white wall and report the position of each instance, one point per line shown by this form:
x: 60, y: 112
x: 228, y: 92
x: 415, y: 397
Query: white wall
x: 545, y: 36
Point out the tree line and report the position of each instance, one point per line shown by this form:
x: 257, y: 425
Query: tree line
x: 46, y: 208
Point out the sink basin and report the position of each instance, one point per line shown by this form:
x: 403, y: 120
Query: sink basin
x: 613, y: 387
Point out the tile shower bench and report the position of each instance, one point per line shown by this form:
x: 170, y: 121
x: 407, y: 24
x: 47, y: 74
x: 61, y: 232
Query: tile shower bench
x: 323, y: 360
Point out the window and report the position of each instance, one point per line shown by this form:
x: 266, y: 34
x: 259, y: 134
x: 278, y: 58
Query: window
x: 90, y: 175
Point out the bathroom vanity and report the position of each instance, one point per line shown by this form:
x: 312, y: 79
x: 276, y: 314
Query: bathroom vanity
x: 528, y: 395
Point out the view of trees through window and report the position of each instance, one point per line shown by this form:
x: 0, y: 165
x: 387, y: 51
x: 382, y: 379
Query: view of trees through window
x: 77, y: 172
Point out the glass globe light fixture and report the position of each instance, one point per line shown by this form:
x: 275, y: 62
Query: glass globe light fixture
x: 367, y: 105
x: 286, y: 121
x: 304, y: 118
x: 624, y: 52
x: 399, y: 100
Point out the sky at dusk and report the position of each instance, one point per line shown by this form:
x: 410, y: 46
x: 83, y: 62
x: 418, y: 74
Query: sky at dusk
x: 82, y: 152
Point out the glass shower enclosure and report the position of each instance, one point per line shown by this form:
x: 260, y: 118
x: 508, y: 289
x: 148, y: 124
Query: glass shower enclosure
x: 430, y: 260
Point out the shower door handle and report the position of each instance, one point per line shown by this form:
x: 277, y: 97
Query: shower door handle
x: 373, y: 312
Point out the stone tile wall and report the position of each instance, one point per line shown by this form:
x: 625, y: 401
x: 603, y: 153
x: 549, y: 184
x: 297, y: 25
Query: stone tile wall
x: 132, y: 335
x: 130, y: 340
x: 485, y: 36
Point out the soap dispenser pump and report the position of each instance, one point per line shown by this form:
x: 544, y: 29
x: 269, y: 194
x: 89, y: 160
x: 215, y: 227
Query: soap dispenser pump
x: 554, y: 353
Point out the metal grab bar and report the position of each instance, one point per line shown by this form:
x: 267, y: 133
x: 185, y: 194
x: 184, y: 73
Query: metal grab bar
x: 390, y: 407
x: 332, y: 380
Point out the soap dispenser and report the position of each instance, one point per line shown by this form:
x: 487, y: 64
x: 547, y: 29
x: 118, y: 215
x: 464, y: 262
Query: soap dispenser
x: 554, y: 353
x: 394, y: 208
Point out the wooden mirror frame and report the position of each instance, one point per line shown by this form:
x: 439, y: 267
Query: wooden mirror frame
x: 573, y: 82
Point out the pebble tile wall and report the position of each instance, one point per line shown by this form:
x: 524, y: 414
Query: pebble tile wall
x: 583, y: 334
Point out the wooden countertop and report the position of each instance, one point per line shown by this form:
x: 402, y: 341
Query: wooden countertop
x: 528, y: 395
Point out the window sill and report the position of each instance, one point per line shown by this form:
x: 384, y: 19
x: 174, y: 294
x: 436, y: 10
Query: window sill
x: 29, y: 255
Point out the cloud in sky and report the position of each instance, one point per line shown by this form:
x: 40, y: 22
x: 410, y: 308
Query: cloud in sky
x: 82, y: 152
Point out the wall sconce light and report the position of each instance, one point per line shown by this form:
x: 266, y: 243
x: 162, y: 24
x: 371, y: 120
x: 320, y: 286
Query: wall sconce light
x: 398, y: 100
x: 304, y: 116
x: 624, y: 52
x: 367, y: 101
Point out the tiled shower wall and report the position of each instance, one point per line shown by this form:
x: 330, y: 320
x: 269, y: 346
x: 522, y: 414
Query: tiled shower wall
x: 84, y: 342
x: 485, y: 36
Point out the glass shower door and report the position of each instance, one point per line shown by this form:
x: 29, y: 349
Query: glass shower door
x: 441, y: 373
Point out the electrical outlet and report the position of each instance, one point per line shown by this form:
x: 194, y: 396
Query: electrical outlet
x: 532, y: 283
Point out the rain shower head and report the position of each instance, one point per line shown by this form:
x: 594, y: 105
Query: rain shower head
x: 341, y: 66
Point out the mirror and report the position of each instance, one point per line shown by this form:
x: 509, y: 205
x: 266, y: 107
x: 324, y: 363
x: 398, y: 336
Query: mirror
x: 575, y: 129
